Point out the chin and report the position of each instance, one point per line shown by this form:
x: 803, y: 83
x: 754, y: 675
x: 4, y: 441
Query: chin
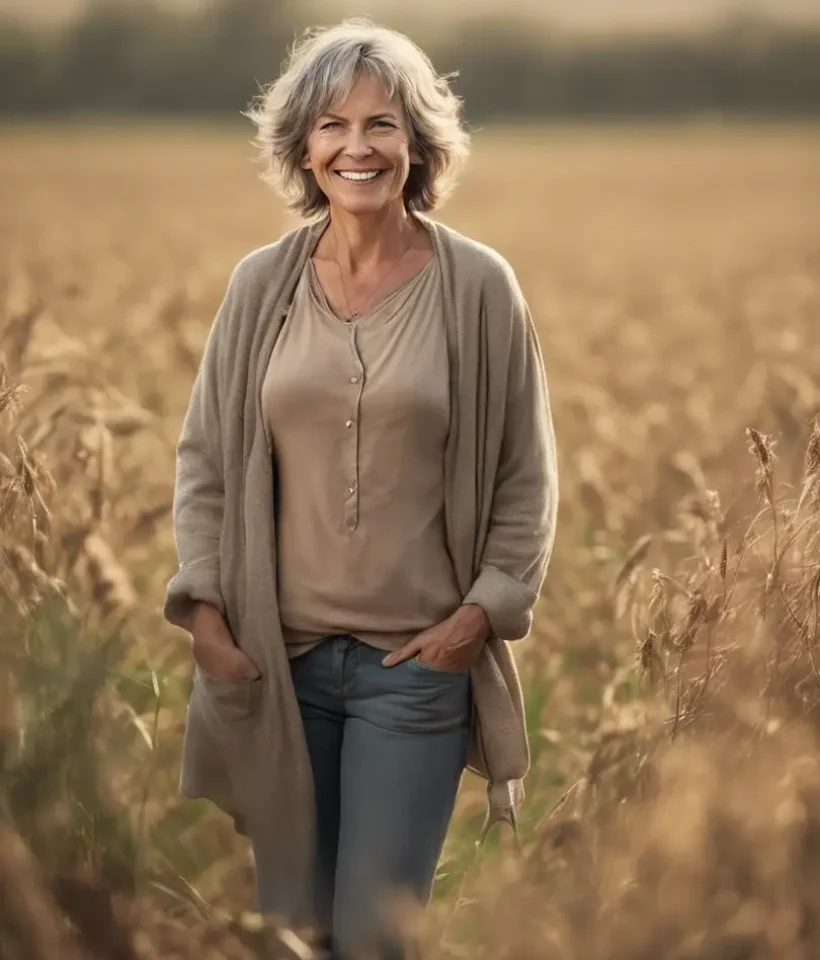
x: 363, y: 207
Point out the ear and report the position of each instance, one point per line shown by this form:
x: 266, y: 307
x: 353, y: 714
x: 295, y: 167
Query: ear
x: 305, y: 163
x: 415, y: 156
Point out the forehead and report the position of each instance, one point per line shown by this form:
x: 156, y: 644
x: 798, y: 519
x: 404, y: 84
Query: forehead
x: 366, y: 94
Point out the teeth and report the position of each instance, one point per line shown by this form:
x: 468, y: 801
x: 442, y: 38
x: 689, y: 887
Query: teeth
x: 350, y: 175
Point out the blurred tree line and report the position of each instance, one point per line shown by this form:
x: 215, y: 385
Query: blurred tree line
x: 133, y: 57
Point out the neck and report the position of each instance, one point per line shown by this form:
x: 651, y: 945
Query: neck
x: 362, y: 241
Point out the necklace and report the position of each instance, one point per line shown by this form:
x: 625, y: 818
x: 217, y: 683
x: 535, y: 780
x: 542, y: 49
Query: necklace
x: 380, y: 282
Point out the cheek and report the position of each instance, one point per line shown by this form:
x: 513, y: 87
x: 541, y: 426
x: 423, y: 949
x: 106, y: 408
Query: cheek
x: 400, y: 151
x: 317, y: 154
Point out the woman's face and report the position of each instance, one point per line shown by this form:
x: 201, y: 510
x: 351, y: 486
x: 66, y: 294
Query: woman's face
x: 360, y: 152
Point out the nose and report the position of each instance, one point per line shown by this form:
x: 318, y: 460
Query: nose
x: 357, y: 146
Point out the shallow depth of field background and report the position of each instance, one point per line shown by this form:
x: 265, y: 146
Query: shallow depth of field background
x: 672, y: 266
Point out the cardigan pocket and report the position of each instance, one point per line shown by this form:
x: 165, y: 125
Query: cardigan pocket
x: 228, y: 700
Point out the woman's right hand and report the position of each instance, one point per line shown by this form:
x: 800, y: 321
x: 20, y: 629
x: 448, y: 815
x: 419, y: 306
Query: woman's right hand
x: 215, y: 652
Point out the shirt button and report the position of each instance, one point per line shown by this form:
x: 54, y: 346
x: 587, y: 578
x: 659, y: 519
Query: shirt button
x: 354, y: 379
x: 348, y: 424
x: 351, y: 489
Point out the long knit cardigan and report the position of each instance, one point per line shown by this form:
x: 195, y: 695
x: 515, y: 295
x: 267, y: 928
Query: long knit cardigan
x: 244, y: 745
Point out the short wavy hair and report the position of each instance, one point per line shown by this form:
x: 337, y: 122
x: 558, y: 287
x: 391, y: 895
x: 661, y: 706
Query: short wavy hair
x: 321, y: 69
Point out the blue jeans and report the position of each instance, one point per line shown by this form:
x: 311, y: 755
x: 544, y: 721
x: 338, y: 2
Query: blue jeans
x: 387, y: 746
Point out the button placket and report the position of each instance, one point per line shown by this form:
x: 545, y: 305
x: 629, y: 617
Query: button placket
x: 356, y: 381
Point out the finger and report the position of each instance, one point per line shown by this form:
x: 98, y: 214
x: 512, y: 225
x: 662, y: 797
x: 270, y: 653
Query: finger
x: 243, y: 662
x: 403, y: 653
x: 251, y: 670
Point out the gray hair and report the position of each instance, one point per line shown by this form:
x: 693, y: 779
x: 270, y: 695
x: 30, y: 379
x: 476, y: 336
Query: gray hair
x: 321, y: 69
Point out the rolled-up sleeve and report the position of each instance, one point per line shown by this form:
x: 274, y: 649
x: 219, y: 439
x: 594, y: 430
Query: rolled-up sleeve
x: 199, y: 491
x: 525, y: 495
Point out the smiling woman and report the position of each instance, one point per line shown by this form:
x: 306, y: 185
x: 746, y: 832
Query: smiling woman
x: 365, y: 502
x: 323, y: 69
x: 366, y: 142
x: 361, y: 126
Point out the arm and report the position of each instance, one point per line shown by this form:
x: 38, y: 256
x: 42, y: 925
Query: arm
x: 525, y: 499
x: 199, y: 489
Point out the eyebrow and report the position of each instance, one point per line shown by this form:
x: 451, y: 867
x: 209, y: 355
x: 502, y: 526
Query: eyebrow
x: 376, y: 116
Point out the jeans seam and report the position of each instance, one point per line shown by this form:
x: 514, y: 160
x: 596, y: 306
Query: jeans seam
x: 338, y: 665
x: 352, y: 657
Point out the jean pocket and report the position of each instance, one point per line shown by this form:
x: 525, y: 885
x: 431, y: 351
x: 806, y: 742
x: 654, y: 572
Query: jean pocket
x: 436, y: 671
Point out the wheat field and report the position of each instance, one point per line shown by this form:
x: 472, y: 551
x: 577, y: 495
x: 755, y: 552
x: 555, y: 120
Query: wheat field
x: 671, y: 678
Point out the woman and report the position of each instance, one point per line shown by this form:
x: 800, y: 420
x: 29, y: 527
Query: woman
x: 365, y: 502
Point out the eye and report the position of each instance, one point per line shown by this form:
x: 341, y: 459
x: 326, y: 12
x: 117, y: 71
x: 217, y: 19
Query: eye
x: 383, y: 123
x: 329, y: 125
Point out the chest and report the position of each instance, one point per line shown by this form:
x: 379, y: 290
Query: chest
x: 389, y: 375
x: 297, y: 382
x: 358, y: 293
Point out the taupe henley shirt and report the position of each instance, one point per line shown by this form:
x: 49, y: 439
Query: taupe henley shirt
x: 359, y: 416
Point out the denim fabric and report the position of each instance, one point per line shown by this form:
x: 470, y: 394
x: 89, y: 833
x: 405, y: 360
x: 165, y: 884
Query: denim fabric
x: 387, y: 746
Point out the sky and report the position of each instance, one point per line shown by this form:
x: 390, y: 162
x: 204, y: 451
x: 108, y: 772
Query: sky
x: 587, y: 13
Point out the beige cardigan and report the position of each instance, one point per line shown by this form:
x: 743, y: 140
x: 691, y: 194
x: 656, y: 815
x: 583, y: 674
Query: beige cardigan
x: 244, y: 745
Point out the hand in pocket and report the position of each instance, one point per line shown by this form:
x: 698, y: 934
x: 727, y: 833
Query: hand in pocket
x: 215, y: 652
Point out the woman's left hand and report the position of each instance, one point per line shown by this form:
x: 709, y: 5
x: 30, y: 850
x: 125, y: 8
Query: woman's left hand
x: 454, y: 644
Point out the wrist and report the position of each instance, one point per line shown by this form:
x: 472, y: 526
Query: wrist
x: 205, y: 614
x: 475, y: 618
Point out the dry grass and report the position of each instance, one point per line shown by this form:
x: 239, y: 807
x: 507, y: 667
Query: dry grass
x: 674, y: 278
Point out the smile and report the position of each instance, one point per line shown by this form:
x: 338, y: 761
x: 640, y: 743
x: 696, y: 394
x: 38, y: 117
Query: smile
x: 363, y: 176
